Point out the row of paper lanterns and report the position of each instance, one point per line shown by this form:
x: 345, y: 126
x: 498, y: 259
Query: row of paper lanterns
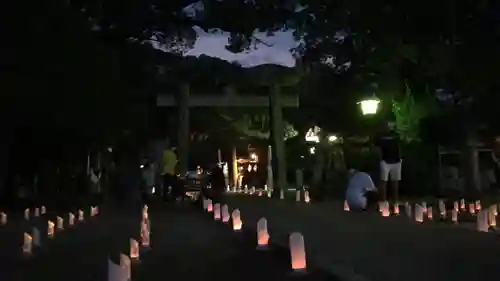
x: 33, y: 239
x: 123, y: 270
x: 485, y: 217
x: 296, y: 239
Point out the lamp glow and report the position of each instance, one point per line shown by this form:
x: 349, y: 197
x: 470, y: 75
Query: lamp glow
x: 262, y: 234
x: 297, y: 252
x: 369, y: 106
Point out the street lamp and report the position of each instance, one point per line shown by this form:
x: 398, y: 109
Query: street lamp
x: 332, y: 138
x: 369, y: 106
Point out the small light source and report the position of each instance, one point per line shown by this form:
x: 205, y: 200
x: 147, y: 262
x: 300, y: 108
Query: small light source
x: 494, y: 208
x: 429, y: 213
x: 27, y: 214
x: 298, y: 252
x: 462, y: 204
x: 346, y: 206
x: 225, y: 213
x: 60, y: 223
x: 472, y: 208
x: 262, y: 234
x: 71, y: 219
x: 3, y: 218
x: 386, y: 212
x: 50, y: 229
x: 369, y: 106
x: 126, y: 265
x: 454, y: 216
x: 482, y: 221
x: 424, y: 206
x: 408, y: 210
x: 312, y: 150
x: 27, y: 244
x: 253, y: 157
x: 419, y: 213
x: 478, y: 205
x: 80, y: 215
x: 456, y: 206
x: 442, y: 209
x: 36, y: 213
x: 145, y: 235
x: 307, y: 199
x: 210, y: 207
x: 297, y: 196
x: 134, y: 249
x: 332, y: 138
x: 43, y: 210
x: 396, y: 209
x: 217, y: 215
x: 492, y: 220
x: 236, y: 218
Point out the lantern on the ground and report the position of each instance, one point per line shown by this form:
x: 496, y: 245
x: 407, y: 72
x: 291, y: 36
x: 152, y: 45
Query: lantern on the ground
x: 298, y: 252
x: 262, y: 234
x: 386, y: 209
x: 454, y: 216
x: 237, y: 224
x: 3, y: 218
x: 419, y: 213
x: 482, y: 221
x: 225, y: 213
x: 27, y: 244
x: 346, y: 206
x: 60, y: 223
x: 134, y: 249
x: 462, y: 204
x: 50, y: 229
x: 217, y: 214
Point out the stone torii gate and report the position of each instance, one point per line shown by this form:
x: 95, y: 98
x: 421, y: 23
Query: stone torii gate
x: 275, y: 100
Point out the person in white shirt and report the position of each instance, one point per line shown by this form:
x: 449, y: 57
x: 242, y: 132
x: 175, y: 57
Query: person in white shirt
x: 359, y: 190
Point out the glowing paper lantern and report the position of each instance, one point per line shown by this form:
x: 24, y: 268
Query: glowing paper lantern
x: 246, y: 189
x: 478, y: 205
x: 217, y: 214
x: 50, y: 229
x: 492, y: 220
x: 145, y: 242
x: 27, y: 244
x: 396, y: 209
x: 134, y: 249
x: 282, y: 194
x: 27, y: 214
x: 419, y: 213
x: 408, y: 210
x: 262, y: 234
x: 234, y: 188
x: 297, y: 196
x: 236, y: 218
x: 307, y: 199
x: 265, y: 187
x: 297, y: 252
x: 424, y: 206
x: 60, y: 223
x: 269, y: 193
x: 462, y: 204
x: 346, y: 206
x: 210, y: 207
x: 36, y: 213
x: 494, y: 208
x: 482, y: 221
x: 253, y: 190
x: 71, y: 219
x: 472, y: 208
x: 225, y: 214
x: 454, y: 216
x: 125, y: 264
x: 93, y: 211
x: 386, y: 209
x: 456, y: 206
x: 37, y: 242
x: 429, y: 213
x: 80, y: 215
x: 3, y: 218
x: 442, y: 209
x: 43, y: 210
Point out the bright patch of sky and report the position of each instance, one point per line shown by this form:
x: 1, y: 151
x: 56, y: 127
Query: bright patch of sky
x: 278, y: 48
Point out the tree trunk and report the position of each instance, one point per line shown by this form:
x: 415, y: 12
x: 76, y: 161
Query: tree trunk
x: 278, y: 137
x: 183, y: 129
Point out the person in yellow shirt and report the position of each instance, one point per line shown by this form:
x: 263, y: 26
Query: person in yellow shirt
x: 169, y: 163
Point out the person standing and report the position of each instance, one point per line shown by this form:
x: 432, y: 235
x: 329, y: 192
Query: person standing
x: 169, y: 163
x: 390, y: 162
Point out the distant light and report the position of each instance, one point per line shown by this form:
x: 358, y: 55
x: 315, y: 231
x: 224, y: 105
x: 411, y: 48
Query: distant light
x: 142, y: 166
x: 110, y: 149
x: 332, y: 138
x: 312, y: 150
x: 312, y: 134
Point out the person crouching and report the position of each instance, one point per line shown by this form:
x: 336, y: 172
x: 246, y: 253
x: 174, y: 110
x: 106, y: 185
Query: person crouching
x: 361, y: 193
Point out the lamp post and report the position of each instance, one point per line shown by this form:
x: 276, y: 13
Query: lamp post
x: 369, y: 105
